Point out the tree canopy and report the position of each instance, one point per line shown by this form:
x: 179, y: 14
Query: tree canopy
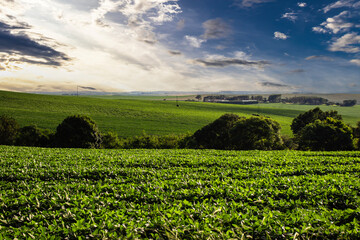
x: 78, y: 132
x: 327, y: 135
x: 311, y: 116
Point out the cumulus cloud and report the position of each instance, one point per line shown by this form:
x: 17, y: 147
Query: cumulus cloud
x: 355, y: 61
x: 349, y: 43
x: 342, y: 4
x: 319, y: 57
x: 215, y: 29
x: 238, y: 59
x: 141, y: 15
x: 336, y: 24
x: 302, y: 4
x: 250, y: 3
x: 290, y: 16
x: 320, y: 30
x: 194, y: 41
x: 280, y: 36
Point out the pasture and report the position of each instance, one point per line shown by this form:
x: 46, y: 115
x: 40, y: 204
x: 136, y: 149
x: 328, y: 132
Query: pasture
x: 132, y: 116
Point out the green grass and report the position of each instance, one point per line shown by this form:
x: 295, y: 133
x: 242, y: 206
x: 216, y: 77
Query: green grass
x: 178, y: 194
x: 130, y: 117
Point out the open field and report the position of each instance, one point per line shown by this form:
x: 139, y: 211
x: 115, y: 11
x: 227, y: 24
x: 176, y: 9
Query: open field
x: 184, y: 194
x: 129, y: 117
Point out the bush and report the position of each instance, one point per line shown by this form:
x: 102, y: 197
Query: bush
x: 78, y: 132
x: 260, y: 133
x: 33, y: 136
x: 155, y: 142
x: 356, y: 133
x: 328, y: 135
x: 8, y: 130
x: 311, y: 116
x: 215, y: 135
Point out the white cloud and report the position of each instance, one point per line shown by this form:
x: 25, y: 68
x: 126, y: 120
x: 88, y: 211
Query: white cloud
x: 348, y: 43
x: 320, y: 30
x: 355, y: 61
x: 337, y: 24
x: 194, y: 41
x: 341, y: 4
x: 290, y: 15
x: 302, y: 4
x: 280, y: 36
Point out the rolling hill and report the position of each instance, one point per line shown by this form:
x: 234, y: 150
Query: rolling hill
x: 130, y: 117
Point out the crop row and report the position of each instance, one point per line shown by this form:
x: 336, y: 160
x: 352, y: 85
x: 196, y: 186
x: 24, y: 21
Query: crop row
x: 169, y: 194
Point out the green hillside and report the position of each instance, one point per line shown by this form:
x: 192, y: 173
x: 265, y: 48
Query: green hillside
x: 129, y: 117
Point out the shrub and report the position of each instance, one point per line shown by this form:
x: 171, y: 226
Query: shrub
x: 260, y: 133
x: 311, y: 116
x: 8, y: 130
x: 155, y: 142
x: 215, y: 135
x: 356, y: 133
x: 34, y: 136
x: 78, y: 132
x: 328, y: 135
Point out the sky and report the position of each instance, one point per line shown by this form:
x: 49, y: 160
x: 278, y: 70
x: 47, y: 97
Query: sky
x: 185, y: 45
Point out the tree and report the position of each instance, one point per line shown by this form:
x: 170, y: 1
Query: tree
x: 311, y: 116
x: 198, y: 97
x: 34, y: 136
x: 8, y: 130
x: 256, y: 133
x: 215, y: 135
x: 327, y: 135
x: 349, y: 103
x: 78, y: 132
x: 111, y: 140
x: 275, y: 98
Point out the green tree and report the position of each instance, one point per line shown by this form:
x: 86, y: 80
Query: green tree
x: 34, y: 136
x: 275, y: 98
x: 260, y: 133
x: 311, y: 116
x: 215, y: 135
x: 78, y: 132
x: 349, y: 103
x: 8, y: 130
x: 327, y: 135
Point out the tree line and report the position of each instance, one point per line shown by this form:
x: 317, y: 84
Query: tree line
x: 313, y: 130
x: 277, y: 98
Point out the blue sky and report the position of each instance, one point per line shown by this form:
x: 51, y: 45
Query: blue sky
x: 184, y: 45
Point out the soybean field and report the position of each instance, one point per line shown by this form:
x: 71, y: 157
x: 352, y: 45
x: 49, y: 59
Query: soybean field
x: 178, y: 194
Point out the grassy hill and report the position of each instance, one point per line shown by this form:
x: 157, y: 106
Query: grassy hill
x: 129, y: 117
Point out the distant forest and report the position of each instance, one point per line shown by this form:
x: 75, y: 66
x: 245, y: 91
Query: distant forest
x: 276, y: 98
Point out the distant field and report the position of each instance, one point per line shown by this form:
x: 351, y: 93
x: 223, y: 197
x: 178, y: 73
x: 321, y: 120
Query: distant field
x: 130, y: 117
x: 178, y: 194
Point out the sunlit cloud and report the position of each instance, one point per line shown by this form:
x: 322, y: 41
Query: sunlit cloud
x: 280, y: 36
